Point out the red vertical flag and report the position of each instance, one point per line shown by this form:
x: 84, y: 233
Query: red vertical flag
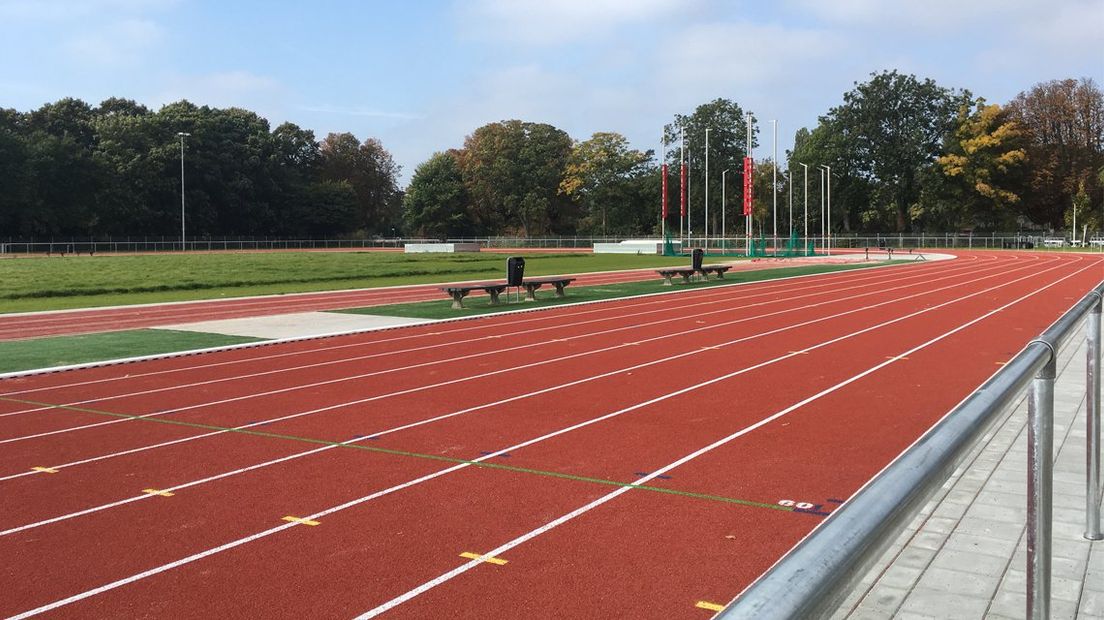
x: 664, y: 190
x: 747, y: 185
x: 682, y: 192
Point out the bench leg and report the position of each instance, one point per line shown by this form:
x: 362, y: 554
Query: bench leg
x: 531, y: 292
x: 720, y: 275
x: 667, y: 280
x: 559, y: 289
x: 686, y: 278
x: 494, y: 297
x: 458, y: 299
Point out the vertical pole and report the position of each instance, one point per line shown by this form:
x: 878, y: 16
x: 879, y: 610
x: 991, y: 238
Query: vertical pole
x: 828, y: 218
x: 682, y: 186
x: 706, y: 189
x: 806, y: 183
x: 774, y: 184
x: 182, y: 236
x: 724, y: 173
x: 789, y: 183
x: 663, y: 186
x: 1040, y: 476
x: 822, y: 207
x: 1092, y: 415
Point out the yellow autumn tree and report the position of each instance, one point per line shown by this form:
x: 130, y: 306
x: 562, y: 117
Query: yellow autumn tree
x: 982, y: 163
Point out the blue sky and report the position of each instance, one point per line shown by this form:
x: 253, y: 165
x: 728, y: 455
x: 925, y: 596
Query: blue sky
x: 422, y: 74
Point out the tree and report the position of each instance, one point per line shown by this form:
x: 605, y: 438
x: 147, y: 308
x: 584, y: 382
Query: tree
x: 1063, y: 121
x: 512, y: 171
x: 373, y: 175
x: 602, y: 176
x: 727, y: 124
x: 436, y: 202
x: 982, y: 165
x: 890, y: 129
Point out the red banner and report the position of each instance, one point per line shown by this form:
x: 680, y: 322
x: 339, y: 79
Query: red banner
x: 664, y: 190
x: 748, y: 184
x: 682, y: 192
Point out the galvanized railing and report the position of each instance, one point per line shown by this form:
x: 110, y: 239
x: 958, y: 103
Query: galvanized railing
x: 812, y: 580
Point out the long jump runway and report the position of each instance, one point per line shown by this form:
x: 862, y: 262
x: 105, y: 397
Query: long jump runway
x: 643, y: 458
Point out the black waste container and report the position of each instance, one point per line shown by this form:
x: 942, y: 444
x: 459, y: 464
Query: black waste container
x: 515, y: 270
x: 696, y: 258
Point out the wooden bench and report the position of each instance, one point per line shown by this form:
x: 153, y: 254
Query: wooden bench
x: 532, y: 284
x: 687, y: 272
x: 460, y: 291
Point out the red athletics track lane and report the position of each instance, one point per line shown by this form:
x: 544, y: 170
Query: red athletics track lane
x: 20, y: 454
x: 76, y: 486
x: 498, y: 502
x: 36, y: 325
x: 209, y: 391
x: 329, y: 349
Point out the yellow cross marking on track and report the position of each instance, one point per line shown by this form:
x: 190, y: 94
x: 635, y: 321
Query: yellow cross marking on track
x: 45, y: 470
x: 301, y: 521
x: 708, y: 605
x: 1001, y: 363
x: 799, y: 352
x: 485, y: 558
x: 158, y: 492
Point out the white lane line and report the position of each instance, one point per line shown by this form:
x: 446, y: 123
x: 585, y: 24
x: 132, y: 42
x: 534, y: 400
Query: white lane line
x: 452, y: 381
x: 316, y: 516
x: 717, y: 296
x: 405, y: 426
x: 504, y: 548
x: 532, y: 394
x: 721, y: 298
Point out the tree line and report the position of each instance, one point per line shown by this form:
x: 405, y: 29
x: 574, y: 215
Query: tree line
x: 906, y: 154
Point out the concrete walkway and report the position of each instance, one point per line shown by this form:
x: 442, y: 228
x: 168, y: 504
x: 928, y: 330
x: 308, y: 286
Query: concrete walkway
x: 296, y: 325
x: 964, y: 554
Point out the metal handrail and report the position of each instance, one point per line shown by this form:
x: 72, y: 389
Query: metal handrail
x: 816, y: 575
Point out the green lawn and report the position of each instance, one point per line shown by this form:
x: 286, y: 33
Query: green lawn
x: 31, y: 284
x: 546, y: 297
x: 64, y: 350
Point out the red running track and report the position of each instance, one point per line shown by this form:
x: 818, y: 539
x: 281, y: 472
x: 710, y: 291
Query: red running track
x: 633, y: 458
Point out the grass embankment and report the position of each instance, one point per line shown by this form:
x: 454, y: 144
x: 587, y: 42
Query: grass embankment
x: 32, y: 284
x: 64, y: 350
x: 545, y: 297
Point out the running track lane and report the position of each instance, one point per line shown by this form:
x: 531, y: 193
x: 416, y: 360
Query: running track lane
x: 35, y: 325
x: 634, y: 495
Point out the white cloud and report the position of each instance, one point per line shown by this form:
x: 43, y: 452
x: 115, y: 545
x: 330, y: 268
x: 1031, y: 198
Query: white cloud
x: 544, y: 22
x: 123, y: 42
x: 929, y: 15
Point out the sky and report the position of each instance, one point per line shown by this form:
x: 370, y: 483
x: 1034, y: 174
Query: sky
x: 420, y: 75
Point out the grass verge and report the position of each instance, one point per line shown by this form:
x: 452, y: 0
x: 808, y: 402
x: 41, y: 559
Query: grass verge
x: 545, y: 297
x: 39, y: 283
x: 19, y: 355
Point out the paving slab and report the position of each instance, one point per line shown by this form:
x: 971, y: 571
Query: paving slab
x: 296, y: 325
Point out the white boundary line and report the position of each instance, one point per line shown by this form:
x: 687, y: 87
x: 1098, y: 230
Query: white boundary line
x: 401, y: 392
x: 699, y: 300
x: 249, y: 345
x: 501, y: 549
x: 532, y: 534
x: 440, y: 417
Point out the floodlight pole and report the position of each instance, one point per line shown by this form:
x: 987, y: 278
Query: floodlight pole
x: 806, y: 184
x: 724, y: 206
x: 828, y: 219
x: 789, y: 186
x: 821, y: 168
x: 182, y: 135
x: 662, y: 184
x: 774, y: 182
x: 707, y: 189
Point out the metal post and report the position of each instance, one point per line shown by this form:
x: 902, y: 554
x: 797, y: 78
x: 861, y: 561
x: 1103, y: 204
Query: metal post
x: 774, y: 185
x: 706, y: 189
x: 182, y: 135
x: 1092, y: 425
x: 1040, y: 476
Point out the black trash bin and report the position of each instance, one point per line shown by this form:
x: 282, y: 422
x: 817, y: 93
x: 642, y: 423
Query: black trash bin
x: 515, y: 270
x: 696, y: 259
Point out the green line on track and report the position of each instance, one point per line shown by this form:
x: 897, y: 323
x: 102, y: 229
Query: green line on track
x: 418, y: 455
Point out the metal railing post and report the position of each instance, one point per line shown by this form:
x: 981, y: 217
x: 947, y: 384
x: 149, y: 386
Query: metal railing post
x: 1040, y: 476
x: 1092, y: 425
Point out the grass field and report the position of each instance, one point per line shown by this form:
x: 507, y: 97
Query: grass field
x: 64, y: 350
x: 32, y: 284
x: 545, y: 297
